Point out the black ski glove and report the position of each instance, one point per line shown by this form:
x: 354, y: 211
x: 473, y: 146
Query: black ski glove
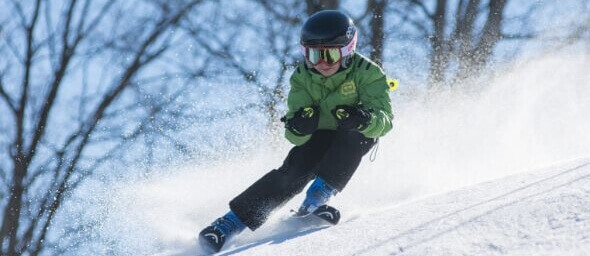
x: 352, y: 118
x: 304, y: 121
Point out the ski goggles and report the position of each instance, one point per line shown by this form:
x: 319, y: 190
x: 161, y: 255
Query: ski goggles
x: 328, y: 54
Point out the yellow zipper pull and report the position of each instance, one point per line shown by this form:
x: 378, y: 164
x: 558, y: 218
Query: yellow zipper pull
x: 393, y: 84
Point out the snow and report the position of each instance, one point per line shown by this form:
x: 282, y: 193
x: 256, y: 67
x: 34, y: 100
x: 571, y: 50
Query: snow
x: 503, y: 171
x: 543, y: 212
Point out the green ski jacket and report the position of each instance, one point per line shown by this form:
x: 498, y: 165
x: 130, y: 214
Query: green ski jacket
x: 363, y: 82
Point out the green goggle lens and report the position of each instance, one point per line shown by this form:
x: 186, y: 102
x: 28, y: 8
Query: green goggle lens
x: 329, y: 55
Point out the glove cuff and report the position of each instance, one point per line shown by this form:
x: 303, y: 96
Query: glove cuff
x: 295, y: 132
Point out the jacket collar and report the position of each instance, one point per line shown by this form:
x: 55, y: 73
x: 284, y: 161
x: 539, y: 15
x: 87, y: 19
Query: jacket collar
x: 332, y: 82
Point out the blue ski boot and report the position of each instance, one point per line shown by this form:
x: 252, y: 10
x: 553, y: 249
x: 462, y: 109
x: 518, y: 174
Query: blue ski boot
x: 315, y: 201
x: 213, y: 237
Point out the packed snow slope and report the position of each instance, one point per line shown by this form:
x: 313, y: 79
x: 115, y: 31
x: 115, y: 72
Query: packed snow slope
x: 545, y: 212
x: 530, y: 124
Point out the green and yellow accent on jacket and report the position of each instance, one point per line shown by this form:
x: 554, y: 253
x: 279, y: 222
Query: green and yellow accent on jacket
x: 363, y: 82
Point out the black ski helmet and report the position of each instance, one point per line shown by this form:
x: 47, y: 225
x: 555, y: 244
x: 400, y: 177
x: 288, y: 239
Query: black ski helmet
x: 328, y: 28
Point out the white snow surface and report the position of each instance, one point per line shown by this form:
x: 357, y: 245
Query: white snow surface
x: 542, y: 212
x: 545, y: 212
x: 505, y: 171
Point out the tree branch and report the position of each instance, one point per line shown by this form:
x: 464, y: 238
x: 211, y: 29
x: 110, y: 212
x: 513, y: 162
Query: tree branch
x: 3, y: 178
x: 464, y: 22
x: 224, y: 54
x: 423, y: 8
x: 20, y: 12
x: 418, y: 24
x: 51, y: 45
x: 12, y: 212
x: 137, y: 63
x: 28, y: 66
x: 67, y: 52
x: 270, y: 7
x: 509, y: 36
x: 492, y: 28
x: 6, y: 97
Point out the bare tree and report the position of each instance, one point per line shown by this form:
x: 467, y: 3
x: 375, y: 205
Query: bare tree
x: 314, y: 6
x: 580, y: 31
x: 264, y: 69
x: 51, y: 146
x: 377, y: 9
x: 454, y: 34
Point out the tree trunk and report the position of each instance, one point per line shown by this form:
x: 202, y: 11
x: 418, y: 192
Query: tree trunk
x: 438, y: 56
x: 10, y: 223
x: 492, y: 31
x: 29, y: 210
x: 377, y: 8
x: 463, y: 37
x: 475, y: 58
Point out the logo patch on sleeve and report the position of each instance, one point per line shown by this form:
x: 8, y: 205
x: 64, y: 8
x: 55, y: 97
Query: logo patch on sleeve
x: 348, y: 88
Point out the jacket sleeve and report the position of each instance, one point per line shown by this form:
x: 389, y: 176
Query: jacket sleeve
x: 298, y: 97
x: 374, y: 96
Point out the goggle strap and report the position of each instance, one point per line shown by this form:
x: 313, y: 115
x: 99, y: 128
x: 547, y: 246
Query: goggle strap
x: 349, y: 49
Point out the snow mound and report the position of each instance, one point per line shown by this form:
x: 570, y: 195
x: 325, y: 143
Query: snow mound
x: 544, y: 212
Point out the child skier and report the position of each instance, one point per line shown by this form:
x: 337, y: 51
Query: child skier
x: 338, y: 107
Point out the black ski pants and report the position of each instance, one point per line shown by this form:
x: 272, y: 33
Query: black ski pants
x: 332, y: 155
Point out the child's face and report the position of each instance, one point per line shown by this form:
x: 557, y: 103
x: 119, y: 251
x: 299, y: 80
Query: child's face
x: 327, y: 69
